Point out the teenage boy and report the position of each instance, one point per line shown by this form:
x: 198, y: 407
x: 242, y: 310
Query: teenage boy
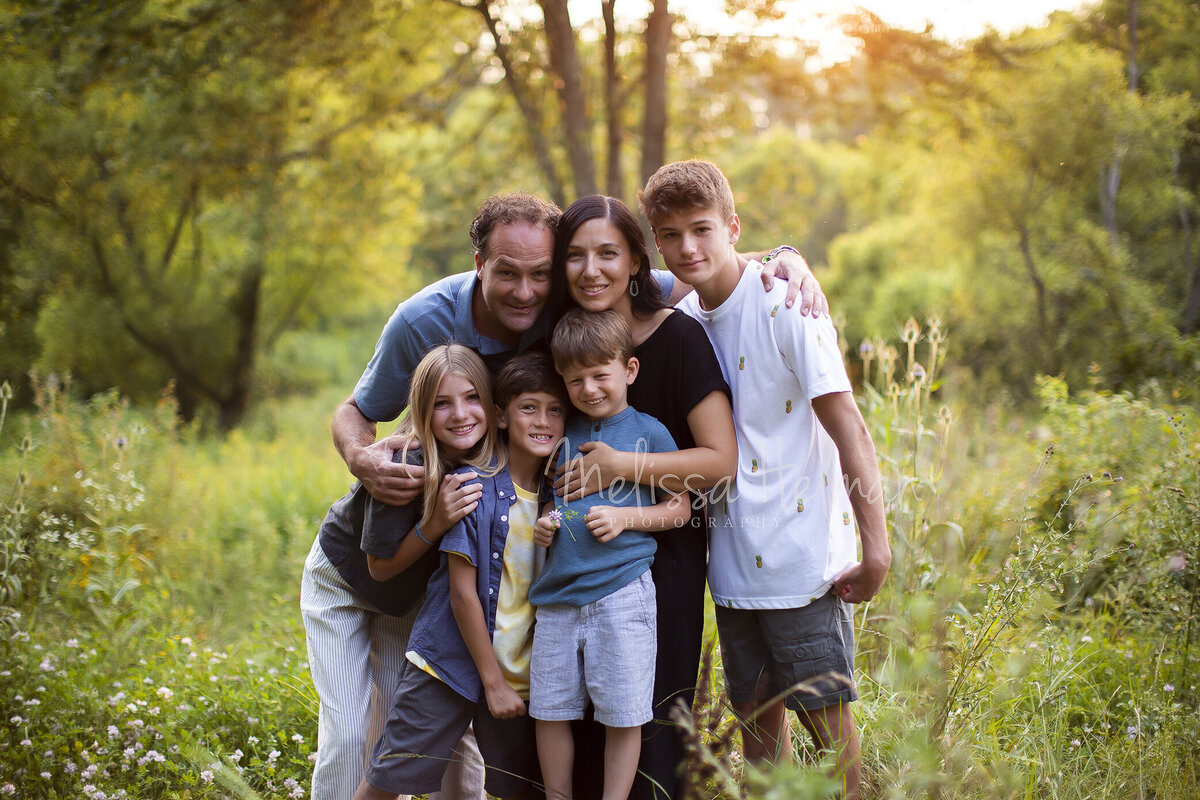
x: 782, y: 562
x: 596, y: 628
x: 471, y: 642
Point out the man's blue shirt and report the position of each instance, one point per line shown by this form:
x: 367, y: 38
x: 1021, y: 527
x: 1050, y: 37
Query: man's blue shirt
x: 579, y: 569
x: 438, y: 314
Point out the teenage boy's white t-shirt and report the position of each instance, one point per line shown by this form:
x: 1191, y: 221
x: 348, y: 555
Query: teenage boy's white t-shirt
x: 783, y: 532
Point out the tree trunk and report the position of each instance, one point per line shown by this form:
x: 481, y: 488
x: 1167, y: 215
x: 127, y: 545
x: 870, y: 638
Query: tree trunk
x: 564, y: 62
x: 1110, y: 173
x: 654, y: 122
x: 244, y: 308
x: 1110, y: 184
x: 613, y: 103
x: 1039, y: 289
x: 1191, y: 308
x: 1134, y: 73
x: 528, y: 108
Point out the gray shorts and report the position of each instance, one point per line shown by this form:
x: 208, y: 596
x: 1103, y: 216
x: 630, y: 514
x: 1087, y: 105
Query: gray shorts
x: 427, y: 721
x: 806, y: 653
x: 604, y: 651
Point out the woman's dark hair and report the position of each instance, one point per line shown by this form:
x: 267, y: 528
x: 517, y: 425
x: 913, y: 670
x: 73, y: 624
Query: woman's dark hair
x: 596, y: 206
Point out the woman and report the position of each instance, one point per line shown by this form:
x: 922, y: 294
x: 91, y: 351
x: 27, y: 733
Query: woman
x: 601, y: 262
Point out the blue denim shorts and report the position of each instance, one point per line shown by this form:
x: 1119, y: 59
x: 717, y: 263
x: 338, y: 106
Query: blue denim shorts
x: 804, y: 653
x: 603, y: 651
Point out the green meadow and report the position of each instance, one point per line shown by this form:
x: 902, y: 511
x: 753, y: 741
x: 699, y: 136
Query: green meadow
x: 1036, y: 636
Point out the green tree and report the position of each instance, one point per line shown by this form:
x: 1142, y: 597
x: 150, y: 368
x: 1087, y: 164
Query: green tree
x: 1157, y: 41
x: 195, y: 177
x: 1035, y: 193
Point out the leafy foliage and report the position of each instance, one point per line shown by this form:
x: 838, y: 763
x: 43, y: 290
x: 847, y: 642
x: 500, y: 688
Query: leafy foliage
x: 186, y: 173
x: 985, y: 669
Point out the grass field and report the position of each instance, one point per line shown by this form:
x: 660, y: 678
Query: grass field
x: 1035, y: 637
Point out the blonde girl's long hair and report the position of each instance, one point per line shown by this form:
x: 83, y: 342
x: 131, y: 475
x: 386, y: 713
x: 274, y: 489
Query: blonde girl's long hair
x: 487, y: 456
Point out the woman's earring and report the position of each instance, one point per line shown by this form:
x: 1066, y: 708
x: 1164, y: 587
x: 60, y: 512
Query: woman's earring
x: 633, y: 287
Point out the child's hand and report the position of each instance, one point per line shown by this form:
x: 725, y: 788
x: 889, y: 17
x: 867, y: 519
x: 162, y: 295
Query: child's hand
x: 454, y: 501
x: 544, y: 530
x: 503, y: 702
x: 607, y: 522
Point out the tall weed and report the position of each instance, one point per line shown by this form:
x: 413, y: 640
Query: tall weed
x: 992, y: 664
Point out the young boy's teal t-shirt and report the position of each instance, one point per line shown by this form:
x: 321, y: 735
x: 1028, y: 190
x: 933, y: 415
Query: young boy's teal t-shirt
x: 579, y: 569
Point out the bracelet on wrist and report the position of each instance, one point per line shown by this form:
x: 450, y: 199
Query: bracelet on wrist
x: 421, y: 536
x: 775, y: 253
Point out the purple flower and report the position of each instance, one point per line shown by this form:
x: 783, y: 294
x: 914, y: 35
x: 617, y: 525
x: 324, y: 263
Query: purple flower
x: 555, y: 516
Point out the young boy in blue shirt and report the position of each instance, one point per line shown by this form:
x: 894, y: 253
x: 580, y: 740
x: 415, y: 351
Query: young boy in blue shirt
x: 469, y: 653
x: 782, y: 551
x: 596, y: 630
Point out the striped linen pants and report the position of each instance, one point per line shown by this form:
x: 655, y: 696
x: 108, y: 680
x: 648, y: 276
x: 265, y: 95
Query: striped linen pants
x: 355, y: 655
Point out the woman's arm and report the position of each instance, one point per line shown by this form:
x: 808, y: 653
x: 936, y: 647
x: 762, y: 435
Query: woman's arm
x: 713, y: 459
x: 454, y: 501
x: 502, y: 699
x: 607, y: 522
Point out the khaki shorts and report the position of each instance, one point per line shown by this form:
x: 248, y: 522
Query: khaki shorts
x: 804, y: 653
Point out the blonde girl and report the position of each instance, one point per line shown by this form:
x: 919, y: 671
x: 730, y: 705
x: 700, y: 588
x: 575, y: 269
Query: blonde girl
x: 452, y: 420
x: 365, y: 576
